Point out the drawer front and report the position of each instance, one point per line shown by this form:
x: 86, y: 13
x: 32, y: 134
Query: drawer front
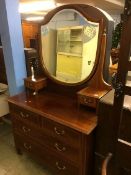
x: 52, y: 143
x: 62, y: 133
x: 49, y: 127
x: 63, y: 149
x: 88, y: 101
x: 62, y: 166
x: 29, y: 85
x: 35, y: 85
x: 25, y: 115
x: 29, y: 130
x: 59, y: 166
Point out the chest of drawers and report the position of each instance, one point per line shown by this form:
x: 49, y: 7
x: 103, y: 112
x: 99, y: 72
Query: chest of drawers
x: 60, y: 139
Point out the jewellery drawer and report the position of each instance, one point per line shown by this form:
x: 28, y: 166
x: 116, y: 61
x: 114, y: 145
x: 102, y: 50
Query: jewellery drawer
x: 88, y: 101
x: 36, y: 84
x: 30, y: 85
x: 63, y: 133
x: 25, y: 115
x: 58, y: 165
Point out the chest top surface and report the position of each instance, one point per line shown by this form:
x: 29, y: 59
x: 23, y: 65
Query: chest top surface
x: 61, y: 109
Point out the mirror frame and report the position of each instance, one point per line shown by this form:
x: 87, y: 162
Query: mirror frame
x: 90, y: 13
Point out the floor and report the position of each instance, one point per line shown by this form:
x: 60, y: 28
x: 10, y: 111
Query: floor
x: 10, y: 162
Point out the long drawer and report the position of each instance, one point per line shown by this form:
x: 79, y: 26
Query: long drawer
x: 50, y: 127
x: 58, y: 165
x: 63, y: 148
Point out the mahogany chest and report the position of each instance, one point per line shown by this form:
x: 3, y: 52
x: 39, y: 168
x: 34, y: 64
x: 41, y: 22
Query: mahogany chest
x: 52, y: 130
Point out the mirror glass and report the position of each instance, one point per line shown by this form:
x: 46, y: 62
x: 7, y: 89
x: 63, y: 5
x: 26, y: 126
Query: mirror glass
x: 69, y: 45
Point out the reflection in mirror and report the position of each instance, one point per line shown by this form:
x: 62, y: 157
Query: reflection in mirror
x: 69, y: 45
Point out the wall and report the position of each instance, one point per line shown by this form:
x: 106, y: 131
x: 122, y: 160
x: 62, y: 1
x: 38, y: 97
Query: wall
x: 12, y: 42
x: 30, y: 31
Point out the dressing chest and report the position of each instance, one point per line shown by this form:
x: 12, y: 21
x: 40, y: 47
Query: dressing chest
x: 52, y: 129
x: 53, y: 125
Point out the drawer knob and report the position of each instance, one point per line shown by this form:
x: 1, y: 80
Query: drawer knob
x: 59, y: 148
x: 21, y: 114
x: 88, y: 100
x: 24, y: 115
x: 60, y: 167
x: 26, y: 146
x: 30, y: 85
x: 58, y: 132
x: 26, y: 129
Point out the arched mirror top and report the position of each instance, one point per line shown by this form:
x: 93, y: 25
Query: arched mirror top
x: 70, y: 43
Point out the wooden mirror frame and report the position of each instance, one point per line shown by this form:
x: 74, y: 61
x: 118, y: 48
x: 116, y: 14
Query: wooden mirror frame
x: 90, y: 14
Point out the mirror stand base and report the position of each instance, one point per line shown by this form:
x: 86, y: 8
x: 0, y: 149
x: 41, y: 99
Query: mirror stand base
x: 35, y: 84
x: 90, y: 96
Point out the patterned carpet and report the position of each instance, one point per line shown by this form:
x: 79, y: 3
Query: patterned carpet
x: 10, y: 162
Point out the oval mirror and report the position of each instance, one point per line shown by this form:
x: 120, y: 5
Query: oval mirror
x: 69, y: 46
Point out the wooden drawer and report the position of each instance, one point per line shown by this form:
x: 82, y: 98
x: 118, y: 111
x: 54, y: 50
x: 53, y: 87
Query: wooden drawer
x: 88, y: 101
x: 63, y: 133
x: 30, y: 85
x: 64, y: 149
x: 28, y: 130
x: 62, y: 166
x: 25, y: 115
x: 59, y: 166
x: 38, y: 84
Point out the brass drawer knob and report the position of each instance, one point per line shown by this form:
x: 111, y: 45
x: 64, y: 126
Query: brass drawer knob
x: 60, y: 167
x: 26, y: 146
x: 58, y: 132
x: 59, y: 148
x: 21, y: 114
x: 30, y: 85
x: 26, y: 129
x: 24, y: 115
x: 88, y: 100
